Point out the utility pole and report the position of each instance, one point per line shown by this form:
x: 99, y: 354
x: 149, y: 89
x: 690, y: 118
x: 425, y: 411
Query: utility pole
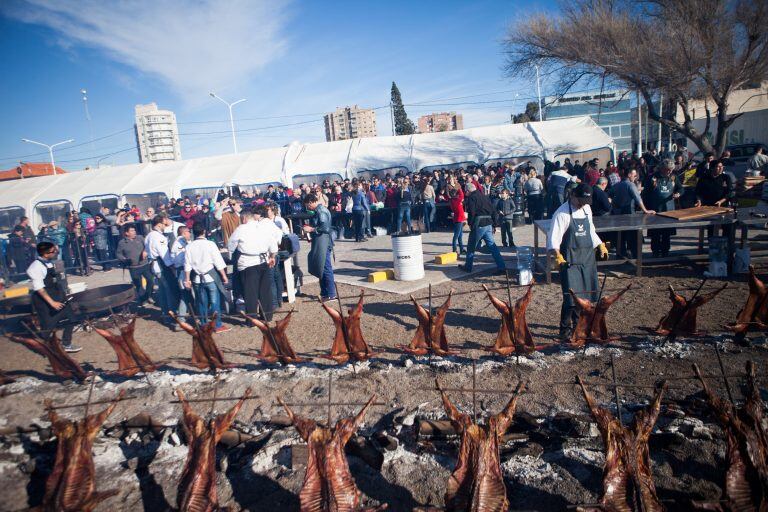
x: 639, y: 126
x: 392, y: 116
x: 538, y: 90
x: 661, y: 113
x: 87, y: 115
x: 231, y: 119
x: 50, y: 149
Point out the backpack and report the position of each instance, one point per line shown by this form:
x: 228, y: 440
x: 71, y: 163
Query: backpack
x: 90, y: 225
x: 290, y: 243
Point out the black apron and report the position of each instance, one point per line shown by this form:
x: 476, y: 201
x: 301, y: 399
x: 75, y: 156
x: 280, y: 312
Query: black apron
x: 55, y: 289
x: 580, y: 271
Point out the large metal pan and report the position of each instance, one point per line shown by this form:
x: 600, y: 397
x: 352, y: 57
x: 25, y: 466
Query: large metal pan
x: 103, y: 298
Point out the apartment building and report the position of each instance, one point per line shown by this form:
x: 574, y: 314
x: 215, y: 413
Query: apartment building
x: 350, y: 123
x: 157, y: 135
x: 441, y: 122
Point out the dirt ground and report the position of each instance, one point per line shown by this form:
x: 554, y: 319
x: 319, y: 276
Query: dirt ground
x: 558, y: 464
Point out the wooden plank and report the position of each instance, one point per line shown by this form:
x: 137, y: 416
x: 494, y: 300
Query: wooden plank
x: 699, y: 212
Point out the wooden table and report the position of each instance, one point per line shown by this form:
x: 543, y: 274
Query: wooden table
x: 638, y: 223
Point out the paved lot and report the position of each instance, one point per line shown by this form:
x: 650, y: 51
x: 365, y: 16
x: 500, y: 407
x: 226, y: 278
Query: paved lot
x: 354, y: 261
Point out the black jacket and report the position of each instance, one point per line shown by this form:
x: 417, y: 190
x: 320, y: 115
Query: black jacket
x: 600, y: 203
x: 477, y: 205
x: 711, y: 189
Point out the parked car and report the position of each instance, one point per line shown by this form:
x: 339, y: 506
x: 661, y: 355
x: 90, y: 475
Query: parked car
x: 741, y: 155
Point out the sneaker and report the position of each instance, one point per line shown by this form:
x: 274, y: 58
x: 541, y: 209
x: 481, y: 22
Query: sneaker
x: 72, y: 348
x: 464, y: 268
x: 223, y: 328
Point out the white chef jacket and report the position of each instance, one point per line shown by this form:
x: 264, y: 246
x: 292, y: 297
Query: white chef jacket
x: 178, y: 251
x: 282, y: 224
x: 156, y: 246
x: 202, y: 256
x: 253, y: 239
x: 561, y: 221
x: 37, y: 272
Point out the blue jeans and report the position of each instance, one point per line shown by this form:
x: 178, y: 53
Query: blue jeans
x: 458, y: 236
x: 478, y: 235
x: 403, y: 210
x: 184, y: 296
x: 208, y: 302
x: 168, y: 290
x: 429, y: 215
x: 327, y: 285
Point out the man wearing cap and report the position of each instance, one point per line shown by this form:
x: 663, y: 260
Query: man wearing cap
x: 572, y: 241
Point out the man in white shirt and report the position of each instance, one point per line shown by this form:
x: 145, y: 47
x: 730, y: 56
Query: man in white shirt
x: 156, y: 247
x: 572, y: 241
x: 49, y: 298
x: 206, y: 272
x: 257, y: 241
x: 178, y: 255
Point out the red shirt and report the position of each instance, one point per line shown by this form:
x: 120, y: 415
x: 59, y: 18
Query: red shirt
x: 188, y: 216
x: 591, y: 176
x: 390, y: 201
x: 457, y: 207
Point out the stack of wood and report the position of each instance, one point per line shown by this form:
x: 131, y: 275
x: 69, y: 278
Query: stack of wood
x: 750, y: 186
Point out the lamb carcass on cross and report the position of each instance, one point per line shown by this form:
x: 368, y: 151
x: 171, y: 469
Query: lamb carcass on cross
x: 131, y: 359
x: 754, y: 315
x: 591, y: 326
x: 477, y: 483
x: 274, y: 344
x: 205, y: 352
x: 746, y: 479
x: 430, y: 334
x: 197, y: 488
x: 328, y: 484
x: 514, y: 337
x: 681, y: 318
x: 627, y: 476
x: 71, y: 486
x: 348, y: 341
x: 61, y: 364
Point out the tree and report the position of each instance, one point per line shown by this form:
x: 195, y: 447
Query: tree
x: 403, y: 125
x: 694, y: 52
x: 531, y: 113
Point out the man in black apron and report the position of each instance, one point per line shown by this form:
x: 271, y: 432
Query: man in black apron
x: 49, y: 297
x: 662, y: 188
x: 320, y: 256
x: 572, y: 240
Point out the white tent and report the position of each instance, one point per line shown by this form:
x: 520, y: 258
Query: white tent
x: 378, y: 153
x: 148, y: 183
x: 262, y: 167
x: 320, y: 159
x: 569, y: 136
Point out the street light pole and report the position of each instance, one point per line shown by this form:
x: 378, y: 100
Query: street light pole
x: 50, y: 149
x: 538, y: 90
x: 231, y: 119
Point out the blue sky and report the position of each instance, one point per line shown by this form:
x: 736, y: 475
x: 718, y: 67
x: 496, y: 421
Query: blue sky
x: 291, y: 60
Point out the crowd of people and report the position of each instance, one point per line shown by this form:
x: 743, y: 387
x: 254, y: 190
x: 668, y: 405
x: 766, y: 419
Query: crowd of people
x: 184, y: 245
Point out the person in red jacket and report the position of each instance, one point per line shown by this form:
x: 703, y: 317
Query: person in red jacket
x: 456, y: 203
x: 188, y: 214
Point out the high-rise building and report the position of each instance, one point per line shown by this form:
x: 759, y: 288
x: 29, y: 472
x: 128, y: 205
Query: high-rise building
x: 157, y: 135
x: 350, y: 123
x: 610, y: 110
x: 441, y: 122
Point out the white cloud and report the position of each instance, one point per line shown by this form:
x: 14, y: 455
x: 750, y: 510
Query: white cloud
x: 193, y: 46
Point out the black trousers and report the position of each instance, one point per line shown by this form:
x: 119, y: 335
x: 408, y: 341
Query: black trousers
x: 256, y: 283
x: 143, y: 291
x: 49, y: 318
x: 358, y: 217
x: 660, y: 241
x: 506, y: 232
